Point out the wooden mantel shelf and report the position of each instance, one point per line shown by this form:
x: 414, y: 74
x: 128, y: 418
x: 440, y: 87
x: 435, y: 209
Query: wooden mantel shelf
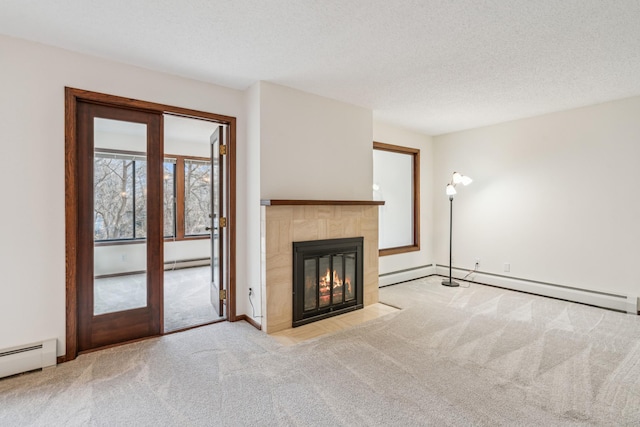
x: 266, y: 202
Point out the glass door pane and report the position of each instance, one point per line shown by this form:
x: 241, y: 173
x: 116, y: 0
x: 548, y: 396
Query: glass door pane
x: 216, y: 139
x: 350, y: 277
x: 120, y: 215
x: 310, y: 284
x: 338, y: 280
x: 324, y: 280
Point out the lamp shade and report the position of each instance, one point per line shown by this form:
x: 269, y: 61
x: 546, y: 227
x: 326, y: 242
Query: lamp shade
x: 451, y: 190
x: 457, y: 178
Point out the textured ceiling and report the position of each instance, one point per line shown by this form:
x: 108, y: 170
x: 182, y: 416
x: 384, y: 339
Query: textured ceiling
x: 434, y: 66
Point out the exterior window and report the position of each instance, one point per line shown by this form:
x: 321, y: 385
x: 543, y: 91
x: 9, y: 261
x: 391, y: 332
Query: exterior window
x: 116, y: 181
x: 169, y: 191
x: 197, y: 197
x: 396, y: 174
x: 140, y: 199
x: 120, y: 182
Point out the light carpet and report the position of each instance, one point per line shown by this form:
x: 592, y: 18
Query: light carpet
x: 452, y: 356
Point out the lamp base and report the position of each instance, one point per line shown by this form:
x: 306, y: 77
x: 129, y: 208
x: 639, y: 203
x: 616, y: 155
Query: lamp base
x: 451, y: 283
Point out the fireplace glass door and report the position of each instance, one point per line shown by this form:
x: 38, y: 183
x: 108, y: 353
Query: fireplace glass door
x: 327, y: 278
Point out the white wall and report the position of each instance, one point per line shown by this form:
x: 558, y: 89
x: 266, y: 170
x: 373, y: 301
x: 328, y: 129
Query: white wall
x: 186, y: 148
x: 302, y: 146
x: 389, y: 134
x: 114, y: 259
x: 172, y: 145
x: 253, y: 243
x: 555, y: 196
x: 32, y: 287
x: 313, y: 147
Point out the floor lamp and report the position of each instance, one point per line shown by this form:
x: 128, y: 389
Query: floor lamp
x: 456, y: 179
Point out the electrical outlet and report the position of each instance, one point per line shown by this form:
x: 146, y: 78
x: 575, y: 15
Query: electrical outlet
x: 124, y: 257
x: 477, y: 261
x: 507, y: 267
x: 250, y: 291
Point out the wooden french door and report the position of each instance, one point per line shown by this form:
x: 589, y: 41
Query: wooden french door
x: 217, y: 247
x: 135, y: 188
x: 131, y: 138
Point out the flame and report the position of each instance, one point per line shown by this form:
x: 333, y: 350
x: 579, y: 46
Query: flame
x: 337, y: 282
x: 326, y: 279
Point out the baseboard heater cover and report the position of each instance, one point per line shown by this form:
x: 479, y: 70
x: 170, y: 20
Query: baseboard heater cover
x: 624, y: 303
x: 28, y: 357
x: 186, y: 263
x: 395, y: 277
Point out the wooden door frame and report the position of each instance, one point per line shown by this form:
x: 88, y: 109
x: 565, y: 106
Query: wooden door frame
x: 72, y: 97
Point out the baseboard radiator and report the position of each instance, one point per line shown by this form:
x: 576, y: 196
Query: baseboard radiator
x: 394, y: 277
x: 624, y: 303
x: 186, y: 263
x: 28, y: 357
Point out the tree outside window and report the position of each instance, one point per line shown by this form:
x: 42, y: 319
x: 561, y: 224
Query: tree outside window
x: 120, y: 199
x: 197, y: 197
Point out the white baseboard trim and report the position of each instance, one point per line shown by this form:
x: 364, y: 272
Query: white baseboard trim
x: 624, y: 303
x: 394, y: 277
x: 632, y: 304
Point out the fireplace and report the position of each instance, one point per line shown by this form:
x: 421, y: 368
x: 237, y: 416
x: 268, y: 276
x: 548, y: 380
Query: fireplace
x: 286, y: 221
x: 327, y: 278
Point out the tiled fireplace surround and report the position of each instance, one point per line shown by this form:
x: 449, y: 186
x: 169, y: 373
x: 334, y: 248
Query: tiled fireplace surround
x: 286, y: 221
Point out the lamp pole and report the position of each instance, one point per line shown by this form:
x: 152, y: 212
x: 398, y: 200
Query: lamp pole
x: 450, y: 282
x: 456, y: 179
